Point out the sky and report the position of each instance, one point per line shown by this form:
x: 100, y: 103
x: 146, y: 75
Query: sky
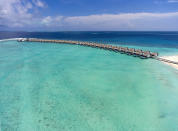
x: 89, y: 15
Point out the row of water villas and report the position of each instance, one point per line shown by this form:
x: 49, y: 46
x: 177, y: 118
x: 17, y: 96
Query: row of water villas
x: 126, y: 50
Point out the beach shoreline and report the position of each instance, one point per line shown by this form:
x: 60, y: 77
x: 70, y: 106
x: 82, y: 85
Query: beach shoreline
x: 171, y: 58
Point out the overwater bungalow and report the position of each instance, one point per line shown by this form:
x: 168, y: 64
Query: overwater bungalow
x: 153, y: 54
x: 131, y: 50
x: 138, y: 52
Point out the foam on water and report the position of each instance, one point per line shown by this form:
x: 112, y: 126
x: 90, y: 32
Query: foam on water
x: 67, y: 87
x: 11, y: 39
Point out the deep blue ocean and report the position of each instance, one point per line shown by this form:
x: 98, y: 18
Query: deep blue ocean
x: 63, y: 87
x: 155, y: 39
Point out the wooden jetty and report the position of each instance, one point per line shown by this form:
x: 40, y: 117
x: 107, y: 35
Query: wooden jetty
x: 165, y: 60
x: 124, y: 50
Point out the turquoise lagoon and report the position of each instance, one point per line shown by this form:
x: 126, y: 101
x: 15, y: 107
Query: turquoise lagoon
x: 60, y: 87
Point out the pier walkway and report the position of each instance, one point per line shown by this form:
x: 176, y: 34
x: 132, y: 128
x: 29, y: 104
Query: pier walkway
x: 165, y: 60
x: 124, y: 50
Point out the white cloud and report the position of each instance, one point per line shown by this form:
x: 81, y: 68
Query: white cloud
x: 52, y: 21
x: 14, y: 12
x: 125, y: 21
x: 39, y: 3
x: 19, y: 14
x: 172, y: 1
x: 47, y: 20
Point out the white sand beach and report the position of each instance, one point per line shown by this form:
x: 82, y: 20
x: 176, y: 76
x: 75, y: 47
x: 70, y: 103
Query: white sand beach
x: 172, y: 58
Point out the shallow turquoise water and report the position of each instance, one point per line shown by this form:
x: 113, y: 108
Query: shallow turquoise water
x: 52, y: 87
